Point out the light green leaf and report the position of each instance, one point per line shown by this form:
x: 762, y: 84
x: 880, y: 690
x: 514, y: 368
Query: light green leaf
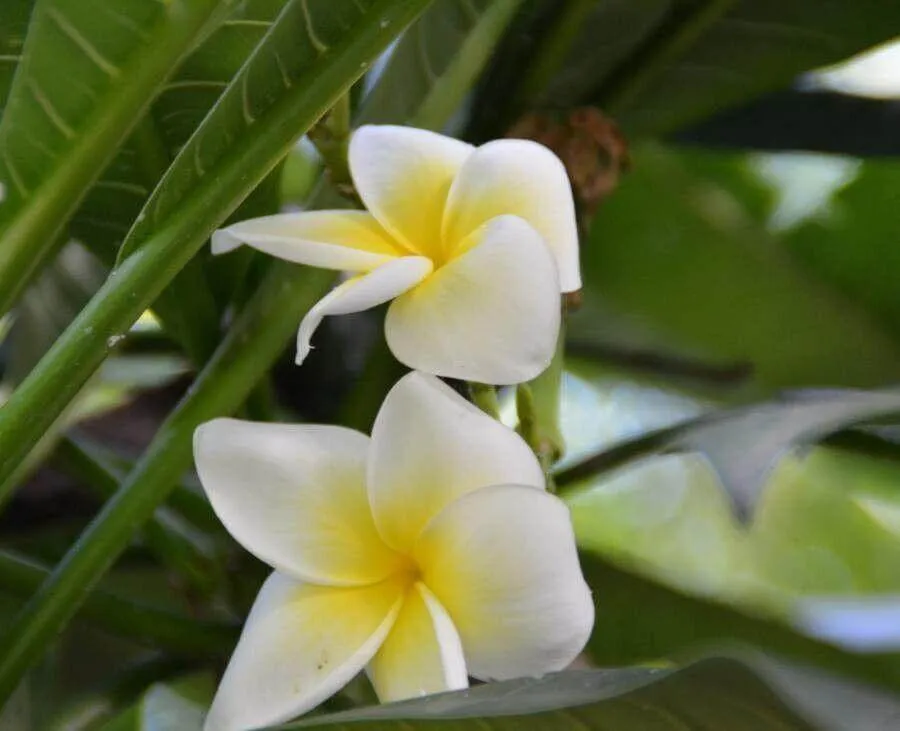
x: 701, y: 275
x: 745, y: 444
x: 852, y: 243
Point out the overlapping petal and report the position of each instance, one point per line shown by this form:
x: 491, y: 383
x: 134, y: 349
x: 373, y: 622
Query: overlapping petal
x: 344, y: 240
x: 521, y: 178
x: 403, y: 175
x: 491, y: 314
x: 502, y: 561
x: 295, y: 497
x: 361, y: 293
x: 300, y: 644
x: 429, y: 447
x: 422, y: 654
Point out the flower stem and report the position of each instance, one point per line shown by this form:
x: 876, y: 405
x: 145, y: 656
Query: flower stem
x: 484, y: 396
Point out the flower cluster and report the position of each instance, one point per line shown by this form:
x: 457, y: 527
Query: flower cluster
x: 429, y: 552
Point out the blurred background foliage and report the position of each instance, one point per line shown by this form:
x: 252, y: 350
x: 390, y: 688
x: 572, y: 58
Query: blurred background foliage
x: 741, y: 267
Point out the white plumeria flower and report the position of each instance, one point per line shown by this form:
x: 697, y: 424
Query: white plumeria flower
x: 426, y: 554
x: 474, y: 245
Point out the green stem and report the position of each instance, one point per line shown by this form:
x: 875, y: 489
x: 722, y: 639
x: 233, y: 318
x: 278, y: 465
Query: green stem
x: 540, y: 405
x: 667, y: 45
x: 248, y: 351
x: 191, y: 561
x: 331, y: 136
x: 148, y: 625
x: 484, y: 396
x: 188, y: 502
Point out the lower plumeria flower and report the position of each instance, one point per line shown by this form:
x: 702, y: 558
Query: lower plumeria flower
x: 473, y: 245
x: 426, y: 554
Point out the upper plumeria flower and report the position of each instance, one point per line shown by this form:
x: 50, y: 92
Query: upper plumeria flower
x: 474, y: 245
x: 426, y: 554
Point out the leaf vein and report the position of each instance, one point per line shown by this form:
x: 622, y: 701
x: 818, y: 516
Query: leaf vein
x: 314, y: 39
x: 83, y: 43
x: 52, y: 114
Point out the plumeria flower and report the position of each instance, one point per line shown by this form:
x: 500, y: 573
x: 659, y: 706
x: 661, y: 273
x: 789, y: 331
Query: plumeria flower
x: 426, y: 554
x: 473, y: 245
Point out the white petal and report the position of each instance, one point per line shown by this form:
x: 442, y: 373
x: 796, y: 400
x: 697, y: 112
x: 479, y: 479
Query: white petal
x: 295, y: 497
x: 402, y: 175
x: 525, y: 179
x: 300, y: 645
x: 430, y: 446
x: 490, y: 315
x: 503, y: 563
x: 361, y: 293
x: 344, y: 240
x: 422, y: 654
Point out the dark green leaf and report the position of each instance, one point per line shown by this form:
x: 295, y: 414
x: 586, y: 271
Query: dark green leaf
x: 711, y: 694
x: 641, y: 620
x: 660, y: 64
x: 436, y: 62
x: 14, y: 16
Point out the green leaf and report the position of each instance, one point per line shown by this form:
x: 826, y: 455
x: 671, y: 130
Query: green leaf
x: 716, y: 693
x: 658, y: 65
x: 745, y: 444
x: 701, y: 275
x: 642, y: 620
x: 437, y: 61
x: 748, y: 48
x: 852, y: 243
x: 60, y: 128
x: 14, y: 16
x: 304, y: 63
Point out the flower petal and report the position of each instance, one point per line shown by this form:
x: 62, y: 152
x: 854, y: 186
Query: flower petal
x: 490, y: 315
x: 344, y: 240
x: 521, y: 178
x: 402, y: 175
x: 429, y: 447
x: 422, y: 654
x: 295, y: 497
x: 300, y: 644
x: 361, y: 293
x: 502, y: 561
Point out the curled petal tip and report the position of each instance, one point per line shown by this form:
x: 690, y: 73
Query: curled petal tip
x: 224, y: 241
